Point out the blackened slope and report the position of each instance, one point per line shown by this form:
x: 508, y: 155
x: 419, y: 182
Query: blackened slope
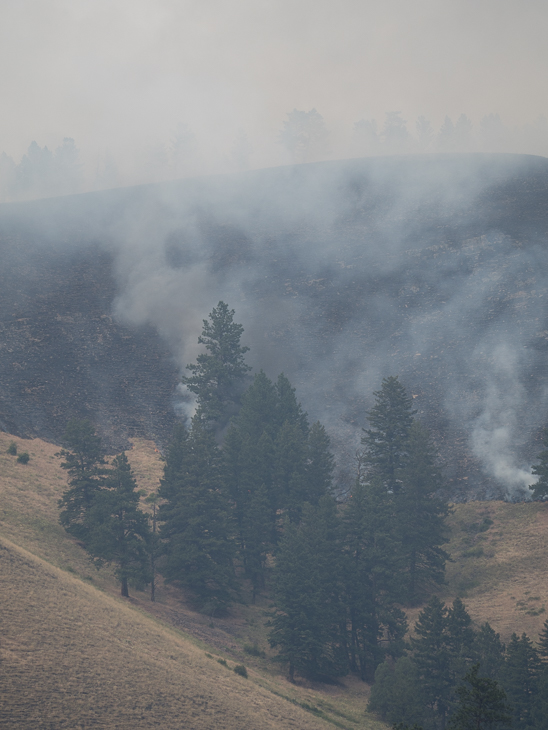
x: 62, y: 355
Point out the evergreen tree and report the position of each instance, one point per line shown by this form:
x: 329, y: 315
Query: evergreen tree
x: 288, y: 409
x: 198, y: 547
x: 371, y: 572
x: 320, y: 464
x: 119, y: 531
x: 520, y: 679
x: 290, y: 448
x: 481, y: 704
x: 219, y: 375
x: 442, y: 651
x: 386, y: 442
x: 84, y: 462
x: 540, y: 489
x: 420, y: 516
x: 543, y: 642
x: 489, y: 651
x: 307, y: 621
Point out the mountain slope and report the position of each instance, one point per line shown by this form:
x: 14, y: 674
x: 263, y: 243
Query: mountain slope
x: 434, y: 268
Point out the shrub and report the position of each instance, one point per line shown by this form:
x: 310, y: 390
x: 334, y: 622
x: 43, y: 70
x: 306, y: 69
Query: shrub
x: 12, y: 448
x: 241, y: 670
x: 253, y: 650
x: 23, y: 458
x: 223, y: 662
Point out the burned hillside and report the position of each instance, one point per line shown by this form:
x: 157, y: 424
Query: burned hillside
x: 433, y: 268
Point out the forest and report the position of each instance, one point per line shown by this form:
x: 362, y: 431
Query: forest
x: 247, y: 506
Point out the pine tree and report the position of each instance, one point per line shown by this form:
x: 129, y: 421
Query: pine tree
x: 288, y: 409
x: 432, y: 657
x: 520, y: 679
x: 197, y: 532
x: 481, y: 704
x: 540, y: 489
x: 118, y: 529
x: 84, y: 462
x: 386, y: 442
x: 543, y: 642
x: 307, y: 621
x: 420, y: 516
x: 320, y: 464
x: 219, y: 375
x: 371, y: 572
x: 489, y: 651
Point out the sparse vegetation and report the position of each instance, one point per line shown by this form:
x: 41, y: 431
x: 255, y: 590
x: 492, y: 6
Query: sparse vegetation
x: 241, y: 670
x: 12, y: 448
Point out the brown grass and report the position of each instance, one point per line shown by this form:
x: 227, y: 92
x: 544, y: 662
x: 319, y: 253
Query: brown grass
x: 75, y: 655
x: 501, y: 573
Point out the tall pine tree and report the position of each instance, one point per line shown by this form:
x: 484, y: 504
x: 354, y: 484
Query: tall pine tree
x: 219, y: 375
x: 196, y: 520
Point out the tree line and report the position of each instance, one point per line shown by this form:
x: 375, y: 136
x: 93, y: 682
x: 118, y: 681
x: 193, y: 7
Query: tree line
x: 246, y: 502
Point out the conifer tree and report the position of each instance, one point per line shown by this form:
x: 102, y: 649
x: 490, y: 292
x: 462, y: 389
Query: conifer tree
x: 288, y: 409
x: 481, y: 704
x: 386, y: 442
x: 85, y: 464
x: 371, y: 571
x: 119, y: 531
x: 489, y: 651
x: 520, y: 679
x: 307, y: 621
x: 320, y: 464
x: 540, y: 489
x: 420, y: 516
x: 196, y: 529
x: 219, y: 375
x: 543, y: 642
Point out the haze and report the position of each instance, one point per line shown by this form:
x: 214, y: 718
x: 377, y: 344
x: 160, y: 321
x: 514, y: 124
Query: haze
x: 121, y: 78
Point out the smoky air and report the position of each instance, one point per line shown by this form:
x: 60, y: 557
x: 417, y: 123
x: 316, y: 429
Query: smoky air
x: 430, y: 267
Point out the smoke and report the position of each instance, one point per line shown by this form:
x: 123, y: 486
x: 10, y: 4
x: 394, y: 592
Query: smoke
x: 345, y: 273
x: 433, y: 268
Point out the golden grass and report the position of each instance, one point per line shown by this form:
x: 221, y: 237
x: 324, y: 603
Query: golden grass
x: 73, y: 654
x: 501, y: 573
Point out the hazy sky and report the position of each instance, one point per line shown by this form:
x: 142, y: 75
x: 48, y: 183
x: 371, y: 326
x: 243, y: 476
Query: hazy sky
x: 121, y: 74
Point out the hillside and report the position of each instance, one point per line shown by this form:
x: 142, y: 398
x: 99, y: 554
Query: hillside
x: 73, y: 654
x: 433, y: 268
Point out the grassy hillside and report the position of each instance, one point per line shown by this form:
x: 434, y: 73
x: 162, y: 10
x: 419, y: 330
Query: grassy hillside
x: 74, y: 654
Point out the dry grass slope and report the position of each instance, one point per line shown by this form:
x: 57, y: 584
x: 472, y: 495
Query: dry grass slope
x: 74, y: 655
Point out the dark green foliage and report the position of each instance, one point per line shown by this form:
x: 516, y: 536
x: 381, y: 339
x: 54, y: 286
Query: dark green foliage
x: 372, y: 568
x: 489, y: 651
x: 420, y: 516
x: 306, y: 627
x: 84, y: 462
x: 23, y: 458
x: 520, y: 679
x: 543, y: 642
x: 241, y: 670
x: 540, y: 489
x: 219, y: 375
x: 118, y: 529
x: 196, y: 522
x: 396, y: 694
x: 386, y: 441
x: 481, y: 704
x: 442, y: 652
x: 288, y: 410
x: 12, y: 448
x: 320, y: 464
